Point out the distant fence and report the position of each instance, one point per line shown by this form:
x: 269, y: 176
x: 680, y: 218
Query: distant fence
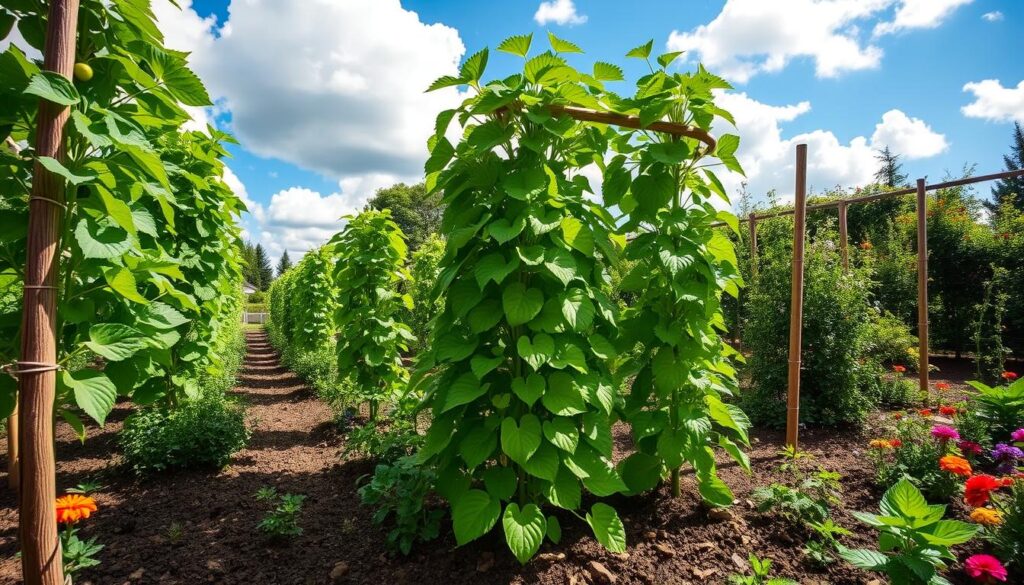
x: 254, y: 318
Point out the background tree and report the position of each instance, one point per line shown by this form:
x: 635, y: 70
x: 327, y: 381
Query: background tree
x: 263, y: 268
x: 1011, y: 190
x: 890, y: 172
x: 415, y: 211
x: 284, y: 264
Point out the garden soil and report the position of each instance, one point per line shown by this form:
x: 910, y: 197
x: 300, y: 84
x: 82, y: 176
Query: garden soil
x: 201, y: 526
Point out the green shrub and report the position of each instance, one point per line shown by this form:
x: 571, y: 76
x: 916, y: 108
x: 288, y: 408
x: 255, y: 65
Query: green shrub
x: 426, y: 304
x: 256, y: 298
x: 835, y: 387
x: 916, y: 459
x: 889, y: 342
x: 202, y: 432
x: 399, y: 490
x: 895, y: 389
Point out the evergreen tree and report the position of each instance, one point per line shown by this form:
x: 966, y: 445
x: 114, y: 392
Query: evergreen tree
x: 1011, y: 190
x: 266, y: 272
x: 890, y: 173
x: 250, y: 267
x: 417, y: 213
x: 284, y: 264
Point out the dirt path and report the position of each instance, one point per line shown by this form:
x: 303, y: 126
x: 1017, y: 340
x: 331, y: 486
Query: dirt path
x: 200, y: 526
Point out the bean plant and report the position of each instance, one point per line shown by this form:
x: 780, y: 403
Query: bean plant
x: 150, y: 266
x: 521, y: 392
x: 682, y: 372
x: 371, y: 253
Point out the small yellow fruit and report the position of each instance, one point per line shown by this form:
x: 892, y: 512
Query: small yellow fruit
x: 83, y: 72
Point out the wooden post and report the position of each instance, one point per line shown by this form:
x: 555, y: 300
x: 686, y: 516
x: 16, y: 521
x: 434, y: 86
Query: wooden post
x: 40, y: 547
x: 796, y: 311
x: 13, y: 456
x: 922, y: 289
x: 752, y: 226
x: 843, y: 237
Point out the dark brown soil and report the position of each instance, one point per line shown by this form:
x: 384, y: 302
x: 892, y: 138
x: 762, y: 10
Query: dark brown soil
x: 201, y: 526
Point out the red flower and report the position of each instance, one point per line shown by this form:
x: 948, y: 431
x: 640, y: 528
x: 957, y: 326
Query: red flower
x: 897, y: 415
x: 947, y: 410
x: 925, y: 412
x: 895, y: 443
x: 899, y: 369
x: 979, y: 488
x: 985, y: 568
x: 1008, y: 376
x: 970, y: 447
x: 941, y: 386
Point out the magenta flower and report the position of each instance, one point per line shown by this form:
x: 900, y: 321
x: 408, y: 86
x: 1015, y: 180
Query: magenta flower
x: 985, y: 568
x: 1017, y: 436
x: 945, y: 433
x: 969, y: 447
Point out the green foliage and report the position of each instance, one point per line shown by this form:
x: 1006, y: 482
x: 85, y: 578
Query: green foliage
x: 417, y: 212
x: 1008, y: 537
x: 914, y: 540
x: 201, y: 432
x: 150, y: 262
x: 311, y: 301
x: 760, y: 574
x: 371, y: 254
x: 682, y: 373
x: 1002, y: 407
x: 916, y: 460
x: 987, y: 332
x: 282, y: 522
x: 387, y: 441
x: 424, y: 270
x: 516, y: 374
x: 399, y: 491
x: 256, y: 268
x: 834, y: 385
x: 1010, y: 192
x: 284, y: 264
x: 888, y: 342
x: 76, y: 553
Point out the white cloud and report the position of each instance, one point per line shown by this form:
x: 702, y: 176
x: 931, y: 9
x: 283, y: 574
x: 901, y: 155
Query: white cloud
x: 562, y: 12
x: 994, y: 16
x: 334, y: 87
x: 768, y: 156
x: 994, y: 102
x: 909, y: 137
x: 919, y: 14
x: 753, y: 36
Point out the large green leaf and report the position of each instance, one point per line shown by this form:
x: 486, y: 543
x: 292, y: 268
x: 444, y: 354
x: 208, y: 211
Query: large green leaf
x: 520, y: 303
x: 518, y: 45
x: 607, y: 527
x: 474, y: 513
x: 537, y: 351
x: 115, y: 341
x: 563, y: 396
x: 94, y: 393
x: 529, y: 389
x: 121, y: 281
x: 465, y: 389
x: 101, y: 241
x: 562, y: 433
x: 520, y: 441
x: 54, y: 88
x: 524, y: 530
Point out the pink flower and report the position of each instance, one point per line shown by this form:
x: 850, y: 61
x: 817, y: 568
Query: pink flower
x: 969, y: 447
x: 1017, y: 436
x: 985, y: 568
x: 945, y: 433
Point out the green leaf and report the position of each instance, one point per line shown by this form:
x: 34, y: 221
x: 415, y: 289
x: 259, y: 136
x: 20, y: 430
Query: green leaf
x: 478, y: 445
x: 524, y: 530
x: 94, y: 392
x: 578, y: 310
x: 485, y: 315
x: 482, y: 365
x: 474, y: 513
x: 446, y: 81
x: 101, y: 241
x: 520, y: 303
x: 465, y: 389
x: 503, y: 230
x: 607, y: 72
x: 713, y: 489
x: 115, y: 341
x: 668, y: 373
x: 640, y: 472
x: 554, y: 531
x: 494, y: 267
x: 949, y: 532
x: 578, y: 235
x: 536, y: 352
x: 54, y: 166
x: 500, y: 482
x: 862, y: 558
x: 562, y: 46
x: 725, y: 151
x: 473, y: 67
x: 518, y: 45
x: 562, y: 433
x: 666, y: 59
x: 121, y: 281
x: 525, y: 183
x: 565, y: 491
x: 905, y: 500
x: 641, y: 52
x: 727, y: 415
x: 54, y: 88
x: 529, y: 389
x: 560, y: 264
x: 544, y: 463
x: 520, y: 441
x: 608, y: 529
x: 563, y: 396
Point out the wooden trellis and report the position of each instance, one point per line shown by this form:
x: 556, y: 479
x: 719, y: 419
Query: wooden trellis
x: 799, y: 212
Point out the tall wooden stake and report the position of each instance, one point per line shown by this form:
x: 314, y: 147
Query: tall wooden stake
x: 844, y: 240
x: 13, y: 455
x: 922, y: 288
x: 752, y: 226
x: 796, y: 312
x: 40, y: 547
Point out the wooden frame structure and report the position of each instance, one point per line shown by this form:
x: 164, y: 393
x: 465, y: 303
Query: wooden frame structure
x: 799, y: 212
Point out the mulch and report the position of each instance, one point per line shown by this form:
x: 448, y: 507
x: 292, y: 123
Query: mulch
x: 201, y: 526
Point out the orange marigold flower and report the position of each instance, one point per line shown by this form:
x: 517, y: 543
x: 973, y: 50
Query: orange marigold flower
x: 899, y: 369
x: 866, y: 246
x: 880, y: 444
x: 987, y: 516
x: 73, y: 507
x: 955, y: 465
x: 947, y: 410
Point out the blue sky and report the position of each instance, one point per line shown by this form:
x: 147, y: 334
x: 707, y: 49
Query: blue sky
x: 321, y: 128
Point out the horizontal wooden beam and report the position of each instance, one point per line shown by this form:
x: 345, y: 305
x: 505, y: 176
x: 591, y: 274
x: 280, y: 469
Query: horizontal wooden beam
x: 626, y: 121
